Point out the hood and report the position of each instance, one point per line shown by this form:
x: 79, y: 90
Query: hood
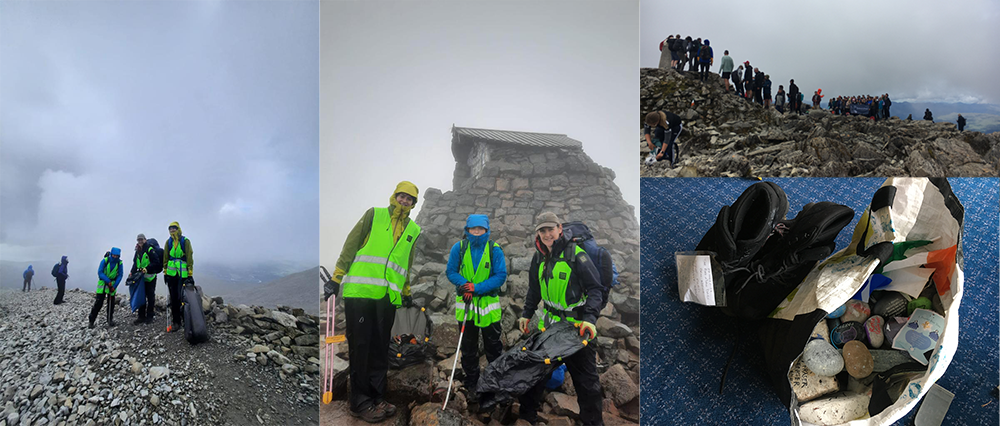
x: 29, y: 267
x: 115, y: 251
x: 178, y: 225
x: 408, y: 188
x: 64, y: 260
x: 477, y: 220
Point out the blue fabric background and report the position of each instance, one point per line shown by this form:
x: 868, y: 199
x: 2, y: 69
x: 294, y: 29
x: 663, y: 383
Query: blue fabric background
x: 685, y: 346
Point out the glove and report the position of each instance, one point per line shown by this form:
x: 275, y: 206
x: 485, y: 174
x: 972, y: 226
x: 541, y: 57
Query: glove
x: 588, y: 329
x: 407, y: 301
x: 467, y: 288
x: 467, y: 297
x: 330, y: 288
x: 522, y: 324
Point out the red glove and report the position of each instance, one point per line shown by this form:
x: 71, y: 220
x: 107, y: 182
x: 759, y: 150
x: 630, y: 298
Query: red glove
x: 467, y: 297
x: 468, y: 288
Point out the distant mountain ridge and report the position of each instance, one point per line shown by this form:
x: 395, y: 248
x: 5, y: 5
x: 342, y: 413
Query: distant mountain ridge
x: 299, y: 290
x: 979, y: 117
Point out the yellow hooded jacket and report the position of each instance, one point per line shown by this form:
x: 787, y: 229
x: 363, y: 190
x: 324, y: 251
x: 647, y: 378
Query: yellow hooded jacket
x: 188, y: 252
x: 359, y: 234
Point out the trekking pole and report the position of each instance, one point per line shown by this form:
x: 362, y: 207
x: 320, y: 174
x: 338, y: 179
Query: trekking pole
x: 330, y: 339
x: 454, y: 364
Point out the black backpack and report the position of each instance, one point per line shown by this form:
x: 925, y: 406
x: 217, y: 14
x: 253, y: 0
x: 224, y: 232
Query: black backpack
x: 706, y: 53
x: 156, y: 265
x: 580, y: 235
x: 463, y: 246
x: 55, y: 270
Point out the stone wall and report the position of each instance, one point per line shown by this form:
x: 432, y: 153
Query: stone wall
x: 512, y: 184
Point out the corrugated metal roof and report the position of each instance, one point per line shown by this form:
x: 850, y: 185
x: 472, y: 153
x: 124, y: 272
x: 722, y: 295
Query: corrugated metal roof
x: 545, y: 140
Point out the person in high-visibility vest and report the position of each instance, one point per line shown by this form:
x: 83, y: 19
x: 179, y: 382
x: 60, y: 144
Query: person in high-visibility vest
x: 564, y: 277
x: 374, y: 269
x: 147, y: 261
x: 178, y: 264
x: 477, y: 268
x: 109, y: 274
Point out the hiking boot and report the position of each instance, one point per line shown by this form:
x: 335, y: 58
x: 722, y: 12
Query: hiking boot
x: 390, y: 410
x: 111, y: 324
x: 787, y: 257
x: 138, y: 321
x: 371, y: 415
x: 740, y: 230
x: 173, y: 327
x: 91, y: 325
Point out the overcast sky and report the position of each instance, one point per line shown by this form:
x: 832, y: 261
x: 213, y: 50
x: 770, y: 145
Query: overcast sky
x: 120, y: 117
x: 396, y: 75
x: 919, y: 50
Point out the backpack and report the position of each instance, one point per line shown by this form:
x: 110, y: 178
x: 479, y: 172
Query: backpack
x: 156, y: 266
x: 706, y: 53
x: 55, y: 270
x: 463, y: 246
x: 581, y: 236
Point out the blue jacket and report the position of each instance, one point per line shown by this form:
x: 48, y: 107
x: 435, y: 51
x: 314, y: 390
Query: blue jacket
x: 498, y: 271
x: 64, y: 268
x: 25, y: 274
x: 121, y: 270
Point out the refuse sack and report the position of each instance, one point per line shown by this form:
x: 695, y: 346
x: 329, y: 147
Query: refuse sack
x: 195, y: 327
x: 903, y: 209
x: 411, y: 338
x: 530, y: 361
x: 137, y: 290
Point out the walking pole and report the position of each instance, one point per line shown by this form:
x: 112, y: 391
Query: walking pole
x: 330, y: 339
x: 454, y: 364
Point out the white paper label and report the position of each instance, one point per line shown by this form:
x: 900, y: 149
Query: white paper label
x: 694, y: 279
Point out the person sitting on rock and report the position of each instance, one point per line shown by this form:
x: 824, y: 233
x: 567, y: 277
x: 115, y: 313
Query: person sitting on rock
x: 146, y: 260
x: 661, y: 131
x: 564, y: 277
x: 477, y: 268
x: 109, y: 275
x: 178, y: 265
x: 374, y: 271
x: 928, y: 116
x: 961, y: 125
x: 29, y: 273
x: 779, y: 99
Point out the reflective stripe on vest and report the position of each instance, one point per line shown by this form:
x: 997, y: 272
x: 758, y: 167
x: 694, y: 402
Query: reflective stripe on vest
x: 111, y: 273
x: 177, y: 263
x: 144, y: 263
x: 554, y: 290
x: 485, y: 309
x: 381, y: 266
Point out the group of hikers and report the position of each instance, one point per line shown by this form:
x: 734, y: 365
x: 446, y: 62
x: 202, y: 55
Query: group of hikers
x: 697, y: 54
x: 373, y: 271
x: 874, y: 107
x: 176, y: 262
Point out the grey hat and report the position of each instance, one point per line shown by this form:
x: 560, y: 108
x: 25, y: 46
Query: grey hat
x: 547, y: 219
x: 140, y: 236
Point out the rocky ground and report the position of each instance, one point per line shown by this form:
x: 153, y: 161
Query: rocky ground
x: 727, y: 136
x: 259, y: 367
x: 419, y: 390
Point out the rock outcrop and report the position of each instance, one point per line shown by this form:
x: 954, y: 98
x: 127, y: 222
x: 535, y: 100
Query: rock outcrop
x: 726, y: 136
x: 255, y: 369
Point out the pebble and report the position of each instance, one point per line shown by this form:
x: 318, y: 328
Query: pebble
x: 158, y: 373
x: 822, y: 358
x: 846, y: 332
x: 918, y: 303
x: 873, y: 331
x: 856, y: 311
x: 837, y: 409
x: 858, y: 359
x: 837, y: 312
x: 155, y: 400
x: 890, y: 304
x: 892, y: 327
